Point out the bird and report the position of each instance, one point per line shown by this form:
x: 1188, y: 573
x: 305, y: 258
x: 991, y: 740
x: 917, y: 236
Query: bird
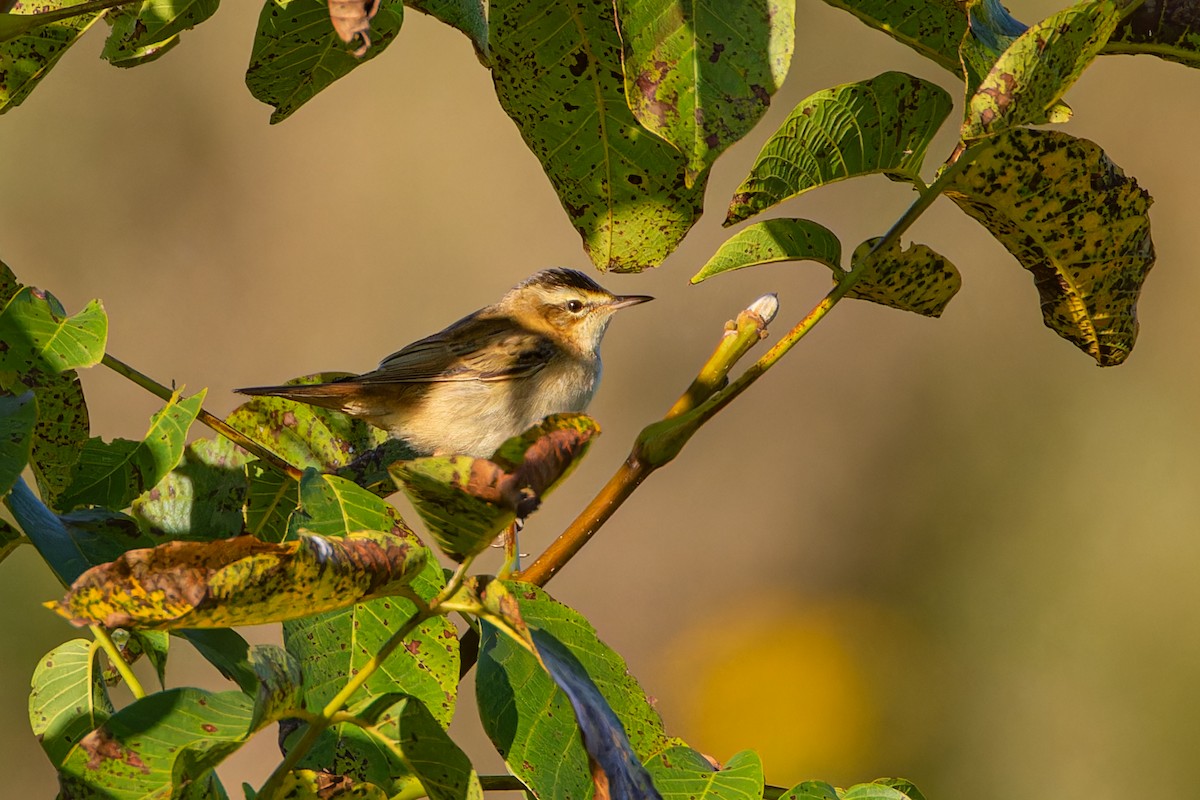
x: 488, y: 377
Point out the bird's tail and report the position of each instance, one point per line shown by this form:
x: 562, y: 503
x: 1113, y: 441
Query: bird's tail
x: 326, y: 395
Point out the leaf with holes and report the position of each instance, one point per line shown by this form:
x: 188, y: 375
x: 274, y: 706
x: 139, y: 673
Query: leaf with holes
x: 881, y: 125
x: 241, y: 581
x: 772, y: 241
x: 297, y: 53
x: 466, y: 502
x: 701, y: 74
x: 558, y: 75
x: 1073, y: 219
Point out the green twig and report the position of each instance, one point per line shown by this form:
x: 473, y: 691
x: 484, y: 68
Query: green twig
x: 114, y: 655
x: 217, y: 424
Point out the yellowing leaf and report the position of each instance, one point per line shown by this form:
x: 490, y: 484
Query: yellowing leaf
x: 917, y: 279
x: 240, y: 581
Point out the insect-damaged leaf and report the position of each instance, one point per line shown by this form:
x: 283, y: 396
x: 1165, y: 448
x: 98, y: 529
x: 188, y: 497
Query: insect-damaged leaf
x: 772, y: 241
x: 558, y: 75
x: 1038, y: 67
x: 615, y: 768
x: 701, y: 74
x: 27, y: 53
x: 1073, y: 219
x: 240, y: 581
x: 466, y: 502
x: 40, y: 336
x: 1169, y: 29
x: 881, y: 125
x: 917, y: 279
x: 297, y: 53
x: 142, y: 33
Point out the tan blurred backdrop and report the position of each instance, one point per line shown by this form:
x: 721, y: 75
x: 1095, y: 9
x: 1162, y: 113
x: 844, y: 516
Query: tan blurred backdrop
x: 952, y: 550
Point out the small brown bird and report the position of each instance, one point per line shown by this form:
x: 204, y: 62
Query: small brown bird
x: 489, y: 376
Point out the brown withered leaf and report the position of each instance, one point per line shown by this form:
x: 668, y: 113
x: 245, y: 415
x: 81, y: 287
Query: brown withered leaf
x: 352, y: 18
x: 240, y: 581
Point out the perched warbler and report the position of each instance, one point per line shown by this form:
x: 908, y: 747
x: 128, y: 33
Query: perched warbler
x: 487, y: 377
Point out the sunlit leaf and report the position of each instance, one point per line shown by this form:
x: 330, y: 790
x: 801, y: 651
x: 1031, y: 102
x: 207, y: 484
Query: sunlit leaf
x: 1073, y: 219
x: 468, y: 16
x: 1036, y: 70
x: 681, y: 773
x: 557, y: 72
x: 202, y: 498
x: 158, y: 745
x: 38, y: 334
x: 68, y: 699
x: 917, y: 279
x: 297, y: 53
x: 466, y: 502
x: 530, y: 720
x: 142, y: 33
x: 112, y: 474
x: 1169, y: 29
x: 26, y: 57
x: 701, y: 74
x: 241, y: 581
x: 18, y: 415
x: 772, y: 241
x: 881, y: 125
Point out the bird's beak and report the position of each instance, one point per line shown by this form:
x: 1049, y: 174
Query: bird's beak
x: 626, y: 300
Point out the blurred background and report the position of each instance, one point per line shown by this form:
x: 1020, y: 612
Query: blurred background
x: 952, y: 550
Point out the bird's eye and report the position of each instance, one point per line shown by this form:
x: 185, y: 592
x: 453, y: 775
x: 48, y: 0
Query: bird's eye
x: 574, y: 306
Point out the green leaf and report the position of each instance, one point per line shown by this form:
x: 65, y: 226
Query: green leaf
x: 69, y: 698
x: 112, y: 474
x: 811, y: 790
x: 917, y: 279
x: 701, y: 74
x: 933, y: 28
x: 132, y: 645
x: 1073, y: 219
x: 27, y: 53
x: 430, y: 754
x: 558, y: 75
x: 530, y: 720
x: 297, y: 53
x: 46, y: 532
x: 681, y: 773
x: 902, y: 785
x: 466, y: 502
x: 202, y: 498
x: 10, y: 540
x: 141, y: 34
x: 157, y: 745
x: 279, y: 684
x: 881, y: 125
x: 271, y: 499
x: 61, y: 429
x: 39, y: 336
x: 1036, y: 70
x: 241, y: 581
x: 1169, y: 29
x: 333, y: 506
x: 468, y: 16
x: 304, y: 435
x: 18, y: 415
x: 772, y: 241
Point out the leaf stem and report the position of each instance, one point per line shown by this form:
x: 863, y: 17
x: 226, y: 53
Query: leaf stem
x: 114, y: 656
x: 217, y: 424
